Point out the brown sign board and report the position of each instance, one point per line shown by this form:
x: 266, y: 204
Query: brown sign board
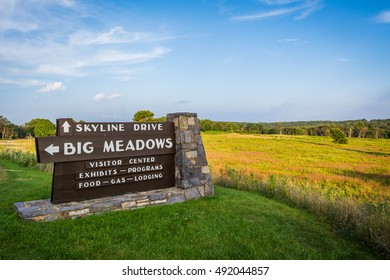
x: 68, y: 127
x: 80, y: 180
x: 76, y: 148
x: 93, y: 160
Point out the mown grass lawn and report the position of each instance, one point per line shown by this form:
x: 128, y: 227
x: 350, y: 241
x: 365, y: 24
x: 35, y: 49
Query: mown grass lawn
x: 231, y: 225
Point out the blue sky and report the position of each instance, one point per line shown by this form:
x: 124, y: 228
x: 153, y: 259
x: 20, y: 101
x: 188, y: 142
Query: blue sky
x: 230, y: 60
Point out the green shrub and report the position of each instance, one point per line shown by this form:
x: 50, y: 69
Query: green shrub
x: 338, y: 136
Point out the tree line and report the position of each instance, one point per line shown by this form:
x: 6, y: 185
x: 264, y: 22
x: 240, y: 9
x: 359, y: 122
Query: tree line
x: 351, y: 128
x: 35, y: 127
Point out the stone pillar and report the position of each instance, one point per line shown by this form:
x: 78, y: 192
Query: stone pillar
x: 192, y: 171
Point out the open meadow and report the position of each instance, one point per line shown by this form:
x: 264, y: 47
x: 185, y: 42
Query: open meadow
x: 360, y: 169
x: 347, y: 185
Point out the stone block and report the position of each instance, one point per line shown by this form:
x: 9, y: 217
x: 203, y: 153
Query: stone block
x: 67, y: 207
x: 191, y: 193
x: 176, y: 198
x: 191, y: 155
x: 128, y: 204
x: 194, y: 181
x: 158, y: 196
x: 78, y: 213
x: 190, y: 146
x: 188, y: 137
x: 144, y: 202
x: 185, y: 184
x: 205, y: 170
x: 162, y: 201
x: 201, y: 190
x: 187, y: 172
x: 105, y: 205
x: 191, y: 121
x: 183, y: 122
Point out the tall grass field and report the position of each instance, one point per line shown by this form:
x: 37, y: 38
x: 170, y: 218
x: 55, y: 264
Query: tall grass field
x: 348, y: 184
x: 344, y: 186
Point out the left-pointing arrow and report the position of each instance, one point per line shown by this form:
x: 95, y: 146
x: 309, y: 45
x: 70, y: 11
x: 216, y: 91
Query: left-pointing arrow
x: 52, y: 149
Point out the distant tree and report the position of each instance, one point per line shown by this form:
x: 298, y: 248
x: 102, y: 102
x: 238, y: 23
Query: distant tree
x: 206, y: 125
x: 161, y: 119
x: 360, y: 127
x: 44, y: 128
x: 4, y: 123
x: 40, y: 128
x: 144, y: 116
x: 338, y: 136
x: 280, y: 128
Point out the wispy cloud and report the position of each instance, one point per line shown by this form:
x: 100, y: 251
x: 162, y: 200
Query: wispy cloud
x: 292, y: 41
x: 52, y: 87
x: 342, y: 60
x: 116, y: 35
x: 383, y: 17
x: 58, y: 41
x: 114, y: 56
x: 278, y: 2
x: 31, y: 15
x: 21, y: 82
x: 103, y: 96
x: 301, y: 10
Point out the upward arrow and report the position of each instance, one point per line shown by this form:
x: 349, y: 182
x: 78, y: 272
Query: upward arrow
x: 66, y: 127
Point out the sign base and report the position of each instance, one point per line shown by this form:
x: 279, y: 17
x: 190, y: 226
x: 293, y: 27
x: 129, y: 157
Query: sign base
x: 44, y: 210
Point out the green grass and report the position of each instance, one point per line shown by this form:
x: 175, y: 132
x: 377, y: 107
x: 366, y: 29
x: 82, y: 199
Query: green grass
x: 231, y: 225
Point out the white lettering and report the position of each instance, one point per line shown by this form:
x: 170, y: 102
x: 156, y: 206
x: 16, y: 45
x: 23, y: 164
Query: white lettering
x: 79, y: 127
x: 105, y: 163
x: 119, y: 146
x: 99, y: 127
x: 118, y: 181
x: 69, y: 149
x: 108, y: 147
x: 130, y: 146
x: 89, y: 184
x: 150, y: 144
x: 147, y: 126
x: 146, y: 177
x: 140, y: 144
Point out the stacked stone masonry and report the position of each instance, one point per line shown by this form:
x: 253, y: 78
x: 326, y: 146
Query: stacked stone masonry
x: 193, y: 180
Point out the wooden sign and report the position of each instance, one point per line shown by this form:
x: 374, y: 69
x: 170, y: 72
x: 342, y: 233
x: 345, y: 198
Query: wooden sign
x: 80, y: 180
x: 76, y: 148
x: 93, y: 160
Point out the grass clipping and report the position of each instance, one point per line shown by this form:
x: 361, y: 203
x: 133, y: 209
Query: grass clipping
x: 368, y: 222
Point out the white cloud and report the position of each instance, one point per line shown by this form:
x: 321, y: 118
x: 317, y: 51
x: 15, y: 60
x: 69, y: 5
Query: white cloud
x: 263, y: 15
x: 342, y: 60
x: 116, y: 35
x: 103, y: 96
x: 278, y: 2
x: 26, y: 15
x: 114, y: 56
x: 383, y: 17
x: 73, y: 70
x: 300, y: 11
x: 58, y: 48
x: 292, y: 41
x: 21, y: 82
x: 52, y: 87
